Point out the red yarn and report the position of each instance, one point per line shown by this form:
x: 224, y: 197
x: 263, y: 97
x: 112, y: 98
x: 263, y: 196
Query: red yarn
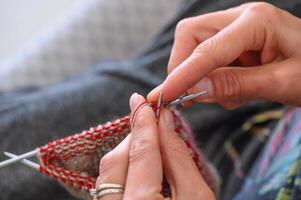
x: 74, y: 160
x: 133, y: 116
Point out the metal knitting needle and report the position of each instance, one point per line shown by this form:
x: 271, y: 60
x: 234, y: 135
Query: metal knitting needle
x: 18, y: 158
x: 187, y: 98
x: 173, y: 103
x: 159, y: 104
x: 24, y: 161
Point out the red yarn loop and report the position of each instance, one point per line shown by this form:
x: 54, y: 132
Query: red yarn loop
x: 154, y: 106
x: 74, y: 160
x: 137, y: 109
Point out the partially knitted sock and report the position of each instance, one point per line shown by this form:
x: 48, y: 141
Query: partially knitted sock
x: 74, y: 160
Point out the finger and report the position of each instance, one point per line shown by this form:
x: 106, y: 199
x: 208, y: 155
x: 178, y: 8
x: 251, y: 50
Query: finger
x: 231, y: 86
x: 191, y: 32
x: 212, y: 54
x: 113, y: 168
x: 181, y: 172
x: 145, y: 168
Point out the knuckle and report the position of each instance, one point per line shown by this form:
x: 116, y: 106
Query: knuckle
x: 226, y: 85
x: 183, y: 26
x: 108, y: 161
x: 262, y: 9
x: 259, y: 7
x: 244, y: 5
x: 207, y: 46
x: 209, y: 49
x: 139, y: 149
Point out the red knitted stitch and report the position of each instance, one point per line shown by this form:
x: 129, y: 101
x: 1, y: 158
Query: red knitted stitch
x: 74, y: 160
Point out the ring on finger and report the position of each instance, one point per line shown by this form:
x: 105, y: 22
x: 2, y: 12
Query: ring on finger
x: 107, y: 188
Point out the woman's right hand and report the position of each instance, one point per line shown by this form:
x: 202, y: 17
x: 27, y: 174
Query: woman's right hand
x: 248, y: 52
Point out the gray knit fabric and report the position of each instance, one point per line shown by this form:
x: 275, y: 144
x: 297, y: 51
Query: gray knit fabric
x: 95, y: 30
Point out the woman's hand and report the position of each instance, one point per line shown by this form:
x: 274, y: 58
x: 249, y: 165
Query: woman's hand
x: 139, y: 161
x: 243, y: 53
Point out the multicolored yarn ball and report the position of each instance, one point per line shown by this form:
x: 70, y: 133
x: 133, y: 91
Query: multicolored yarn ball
x: 74, y: 160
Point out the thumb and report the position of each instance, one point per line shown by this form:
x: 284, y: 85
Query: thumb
x: 238, y: 84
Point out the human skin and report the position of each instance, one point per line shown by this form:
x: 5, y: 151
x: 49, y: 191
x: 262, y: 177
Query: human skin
x: 237, y: 55
x: 240, y: 54
x: 139, y: 161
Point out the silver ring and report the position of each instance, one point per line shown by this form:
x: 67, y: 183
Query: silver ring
x: 105, y: 189
x: 109, y: 191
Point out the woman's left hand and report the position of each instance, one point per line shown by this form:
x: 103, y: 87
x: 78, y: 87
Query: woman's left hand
x: 139, y: 161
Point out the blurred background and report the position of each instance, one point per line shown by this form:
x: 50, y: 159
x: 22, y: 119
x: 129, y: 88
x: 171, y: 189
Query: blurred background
x: 22, y: 21
x: 43, y: 42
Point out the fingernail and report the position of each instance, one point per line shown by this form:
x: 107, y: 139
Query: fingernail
x: 134, y: 100
x: 155, y: 91
x: 168, y: 119
x: 205, y: 84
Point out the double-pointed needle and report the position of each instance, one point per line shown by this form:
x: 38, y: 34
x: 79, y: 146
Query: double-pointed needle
x: 17, y: 158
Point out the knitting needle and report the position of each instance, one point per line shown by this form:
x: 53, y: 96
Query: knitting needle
x: 179, y: 100
x: 24, y: 161
x: 18, y: 158
x: 173, y: 103
x: 159, y: 104
x: 187, y: 98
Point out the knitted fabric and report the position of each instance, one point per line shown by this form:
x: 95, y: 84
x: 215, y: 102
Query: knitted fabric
x: 74, y: 160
